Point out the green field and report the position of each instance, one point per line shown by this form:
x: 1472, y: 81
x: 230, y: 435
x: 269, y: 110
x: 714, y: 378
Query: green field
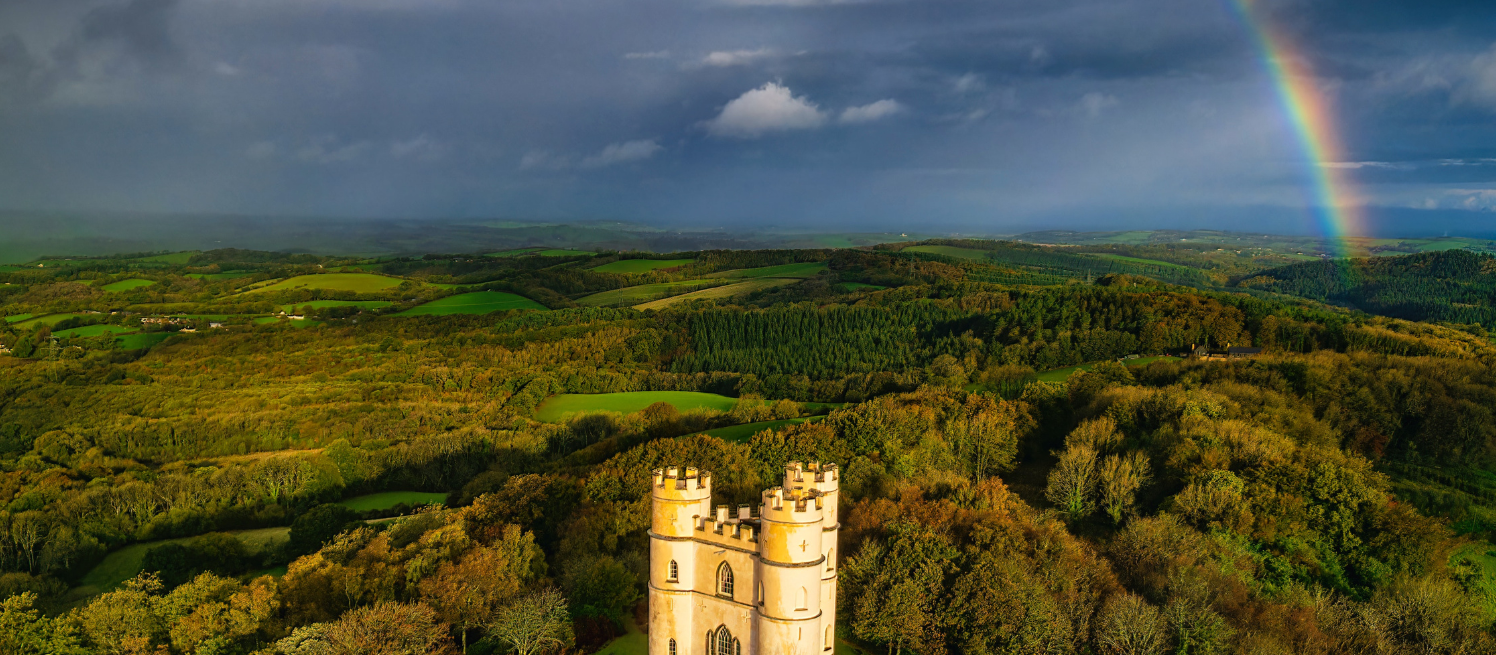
x: 857, y: 286
x: 627, y: 402
x: 49, y: 319
x: 94, y: 331
x: 304, y: 323
x: 1061, y: 374
x: 1137, y: 260
x: 126, y: 285
x: 356, y: 282
x: 640, y: 265
x: 513, y: 253
x: 559, y: 252
x: 388, y: 499
x: 739, y: 289
x: 950, y: 251
x: 629, y: 296
x: 17, y: 318
x: 138, y: 340
x: 9, y: 269
x: 319, y: 304
x: 802, y: 270
x: 125, y: 563
x: 742, y: 433
x: 477, y: 302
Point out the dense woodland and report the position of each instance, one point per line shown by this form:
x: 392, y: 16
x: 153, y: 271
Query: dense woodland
x: 1336, y: 494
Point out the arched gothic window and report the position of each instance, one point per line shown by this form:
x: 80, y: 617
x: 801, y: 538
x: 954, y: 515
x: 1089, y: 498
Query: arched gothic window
x: 802, y: 600
x: 724, y: 579
x: 725, y: 644
x: 672, y: 647
x: 674, y: 571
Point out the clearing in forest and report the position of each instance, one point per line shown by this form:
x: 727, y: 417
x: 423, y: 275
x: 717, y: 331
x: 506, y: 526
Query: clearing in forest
x: 388, y: 499
x: 739, y: 289
x: 477, y: 302
x: 356, y: 282
x: 1061, y: 374
x: 49, y: 319
x: 640, y: 265
x: 627, y: 402
x: 126, y: 285
x: 138, y: 340
x: 125, y: 563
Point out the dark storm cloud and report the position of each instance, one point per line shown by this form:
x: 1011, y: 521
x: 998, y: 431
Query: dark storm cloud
x: 982, y: 114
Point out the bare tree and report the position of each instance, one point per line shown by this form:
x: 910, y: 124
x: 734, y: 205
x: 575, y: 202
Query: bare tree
x: 1072, y: 482
x: 536, y: 623
x: 1130, y: 626
x: 1121, y: 477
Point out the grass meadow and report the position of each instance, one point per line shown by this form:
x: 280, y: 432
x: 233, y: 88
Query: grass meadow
x: 355, y: 282
x: 1061, y: 374
x: 125, y: 563
x: 138, y: 340
x: 320, y: 304
x: 94, y: 331
x: 477, y: 302
x: 950, y: 251
x: 629, y: 296
x: 557, y: 407
x: 800, y: 270
x: 127, y: 285
x: 388, y: 499
x: 739, y: 289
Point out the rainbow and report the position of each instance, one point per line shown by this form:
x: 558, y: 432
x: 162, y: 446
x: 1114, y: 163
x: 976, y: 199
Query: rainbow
x: 1336, y: 203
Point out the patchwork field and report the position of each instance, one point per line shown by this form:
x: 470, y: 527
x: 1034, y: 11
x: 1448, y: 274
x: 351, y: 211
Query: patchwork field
x: 477, y: 302
x: 126, y: 285
x: 557, y: 407
x: 800, y: 270
x: 739, y: 289
x: 640, y: 265
x: 388, y: 499
x: 49, y: 319
x: 94, y: 331
x: 320, y: 304
x: 356, y: 282
x: 629, y: 296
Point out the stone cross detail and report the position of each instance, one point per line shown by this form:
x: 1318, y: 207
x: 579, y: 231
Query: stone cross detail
x: 803, y: 544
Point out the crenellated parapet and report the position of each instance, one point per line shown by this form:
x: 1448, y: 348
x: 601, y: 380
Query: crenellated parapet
x: 688, y: 484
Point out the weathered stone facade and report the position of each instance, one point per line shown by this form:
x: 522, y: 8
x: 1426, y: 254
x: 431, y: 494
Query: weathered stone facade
x: 753, y: 583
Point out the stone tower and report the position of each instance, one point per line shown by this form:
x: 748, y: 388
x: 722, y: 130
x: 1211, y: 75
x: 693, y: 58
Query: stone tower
x: 761, y: 581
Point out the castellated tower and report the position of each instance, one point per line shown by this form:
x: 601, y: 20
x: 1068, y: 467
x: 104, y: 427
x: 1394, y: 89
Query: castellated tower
x: 757, y: 581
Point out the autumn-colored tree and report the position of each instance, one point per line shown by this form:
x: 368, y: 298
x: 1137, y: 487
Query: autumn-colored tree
x: 533, y: 624
x: 1072, y: 482
x: 386, y: 628
x: 1121, y: 476
x: 894, y: 590
x: 126, y: 621
x: 1130, y: 626
x: 468, y: 592
x: 25, y: 631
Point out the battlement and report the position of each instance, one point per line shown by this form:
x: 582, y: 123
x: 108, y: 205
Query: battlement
x: 739, y: 531
x: 818, y: 473
x: 794, y: 505
x: 683, y: 483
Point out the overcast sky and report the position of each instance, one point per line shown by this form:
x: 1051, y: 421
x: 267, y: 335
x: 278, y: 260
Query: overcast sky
x: 989, y: 114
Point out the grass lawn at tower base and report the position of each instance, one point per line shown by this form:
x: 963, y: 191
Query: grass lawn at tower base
x: 388, y: 499
x: 477, y: 302
x: 557, y: 407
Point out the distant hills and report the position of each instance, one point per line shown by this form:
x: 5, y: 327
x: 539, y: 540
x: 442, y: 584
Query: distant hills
x: 1457, y: 286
